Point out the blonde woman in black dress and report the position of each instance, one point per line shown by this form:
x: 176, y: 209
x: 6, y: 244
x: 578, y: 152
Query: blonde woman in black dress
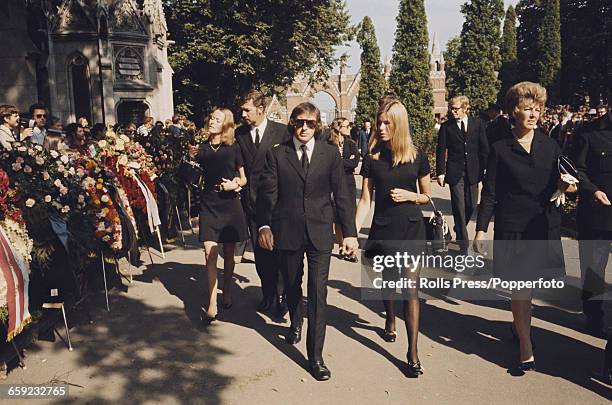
x: 400, y: 175
x: 222, y: 219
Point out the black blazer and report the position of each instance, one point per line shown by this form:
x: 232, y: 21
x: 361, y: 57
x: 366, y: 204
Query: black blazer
x: 498, y: 129
x: 255, y: 159
x: 292, y: 202
x: 518, y: 185
x: 593, y: 158
x: 472, y: 149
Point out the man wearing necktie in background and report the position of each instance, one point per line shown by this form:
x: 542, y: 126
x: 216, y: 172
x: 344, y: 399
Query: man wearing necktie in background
x: 295, y: 216
x: 255, y: 139
x: 461, y: 158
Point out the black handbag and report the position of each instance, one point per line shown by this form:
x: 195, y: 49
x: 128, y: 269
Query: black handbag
x: 437, y: 231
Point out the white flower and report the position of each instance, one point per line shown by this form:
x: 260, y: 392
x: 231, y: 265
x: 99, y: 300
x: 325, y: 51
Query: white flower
x: 60, y: 167
x: 63, y: 190
x: 65, y: 209
x: 102, y: 143
x: 116, y: 245
x: 101, y: 227
x: 123, y: 160
x: 22, y: 149
x: 119, y: 145
x: 38, y: 148
x: 80, y: 172
x: 31, y: 152
x: 125, y: 138
x: 27, y: 169
x: 47, y: 198
x: 46, y: 176
x: 64, y: 159
x: 30, y: 203
x: 104, y: 198
x: 40, y: 161
x: 58, y: 183
x: 106, y: 238
x: 16, y: 167
x: 81, y: 199
x: 54, y: 154
x: 71, y: 171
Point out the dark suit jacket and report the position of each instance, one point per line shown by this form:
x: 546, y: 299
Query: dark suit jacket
x: 293, y: 203
x: 593, y: 158
x: 472, y: 149
x: 498, y: 129
x: 255, y: 159
x: 350, y: 160
x: 364, y: 138
x: 518, y: 185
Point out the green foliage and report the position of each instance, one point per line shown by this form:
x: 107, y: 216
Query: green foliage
x: 507, y: 50
x: 224, y: 47
x: 479, y: 52
x: 372, y: 84
x: 450, y: 58
x: 410, y: 68
x: 549, y: 56
x: 530, y: 16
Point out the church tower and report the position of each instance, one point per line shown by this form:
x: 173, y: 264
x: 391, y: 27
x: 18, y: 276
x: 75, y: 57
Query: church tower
x: 437, y: 78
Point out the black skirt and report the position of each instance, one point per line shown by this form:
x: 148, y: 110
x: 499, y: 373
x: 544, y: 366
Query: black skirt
x: 392, y: 234
x: 528, y: 256
x: 222, y: 218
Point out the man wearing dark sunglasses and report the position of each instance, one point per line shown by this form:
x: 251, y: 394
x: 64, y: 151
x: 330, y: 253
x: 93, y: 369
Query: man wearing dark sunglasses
x: 295, y: 217
x: 39, y: 115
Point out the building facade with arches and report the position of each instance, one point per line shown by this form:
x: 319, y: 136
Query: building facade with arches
x: 102, y: 59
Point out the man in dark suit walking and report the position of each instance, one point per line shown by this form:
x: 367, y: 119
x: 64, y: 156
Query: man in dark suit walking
x: 295, y: 216
x: 255, y: 139
x: 593, y: 159
x: 461, y: 157
x: 498, y: 126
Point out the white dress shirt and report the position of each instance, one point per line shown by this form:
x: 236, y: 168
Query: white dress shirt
x: 262, y: 128
x: 309, y: 148
x: 465, y: 123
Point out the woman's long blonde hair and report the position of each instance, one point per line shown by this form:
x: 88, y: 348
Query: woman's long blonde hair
x: 335, y: 135
x: 227, y: 129
x: 402, y: 147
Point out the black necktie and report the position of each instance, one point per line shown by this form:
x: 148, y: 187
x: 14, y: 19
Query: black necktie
x: 304, y: 159
x: 257, y: 138
x: 463, y: 128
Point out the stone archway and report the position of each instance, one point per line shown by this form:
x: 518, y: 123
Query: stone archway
x: 343, y: 88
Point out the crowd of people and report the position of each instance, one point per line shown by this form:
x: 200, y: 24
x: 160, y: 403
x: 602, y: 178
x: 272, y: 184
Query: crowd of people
x: 291, y: 190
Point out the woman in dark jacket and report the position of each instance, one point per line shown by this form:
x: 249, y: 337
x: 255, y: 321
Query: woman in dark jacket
x: 340, y: 135
x: 522, y: 176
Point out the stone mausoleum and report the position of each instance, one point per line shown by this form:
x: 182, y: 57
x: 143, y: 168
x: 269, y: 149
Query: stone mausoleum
x: 102, y: 59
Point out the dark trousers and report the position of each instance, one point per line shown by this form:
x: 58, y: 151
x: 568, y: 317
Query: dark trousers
x: 266, y: 264
x: 594, y: 250
x: 464, y: 197
x: 292, y: 269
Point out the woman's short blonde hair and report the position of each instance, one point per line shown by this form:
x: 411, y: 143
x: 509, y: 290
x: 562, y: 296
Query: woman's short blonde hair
x: 523, y: 92
x: 402, y: 147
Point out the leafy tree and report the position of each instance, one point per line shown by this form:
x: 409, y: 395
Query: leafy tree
x: 409, y: 78
x: 479, y: 52
x: 507, y: 50
x: 549, y: 44
x: 224, y: 47
x: 450, y: 57
x: 372, y: 84
x: 530, y: 16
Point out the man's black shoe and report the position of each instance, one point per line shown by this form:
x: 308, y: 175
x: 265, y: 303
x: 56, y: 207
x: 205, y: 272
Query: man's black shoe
x: 265, y: 304
x: 281, y: 306
x: 319, y: 371
x: 294, y: 336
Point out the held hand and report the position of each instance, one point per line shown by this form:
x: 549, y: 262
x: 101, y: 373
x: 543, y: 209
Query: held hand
x: 229, y: 185
x: 601, y: 197
x: 399, y: 195
x: 350, y: 245
x: 479, y: 244
x: 26, y: 133
x: 441, y: 180
x: 266, y: 239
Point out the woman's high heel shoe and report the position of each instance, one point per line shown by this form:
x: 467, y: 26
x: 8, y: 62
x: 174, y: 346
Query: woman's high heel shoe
x: 414, y: 369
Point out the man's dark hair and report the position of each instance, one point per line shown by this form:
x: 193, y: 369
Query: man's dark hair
x: 305, y: 108
x: 255, y: 96
x: 98, y: 131
x: 494, y: 107
x: 176, y: 118
x: 37, y: 106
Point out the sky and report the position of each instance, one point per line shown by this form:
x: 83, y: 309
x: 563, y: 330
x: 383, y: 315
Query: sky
x: 444, y: 18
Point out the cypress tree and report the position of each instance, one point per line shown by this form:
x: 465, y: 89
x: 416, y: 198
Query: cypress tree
x: 529, y: 13
x: 372, y: 84
x: 479, y: 52
x: 549, y: 45
x: 410, y: 69
x: 507, y: 50
x: 450, y: 59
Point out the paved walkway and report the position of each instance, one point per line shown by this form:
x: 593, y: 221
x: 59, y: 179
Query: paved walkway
x: 151, y: 348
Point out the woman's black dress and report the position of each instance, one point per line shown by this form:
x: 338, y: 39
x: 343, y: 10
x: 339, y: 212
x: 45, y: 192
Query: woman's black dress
x: 400, y: 224
x: 517, y: 189
x: 222, y: 219
x: 350, y: 160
